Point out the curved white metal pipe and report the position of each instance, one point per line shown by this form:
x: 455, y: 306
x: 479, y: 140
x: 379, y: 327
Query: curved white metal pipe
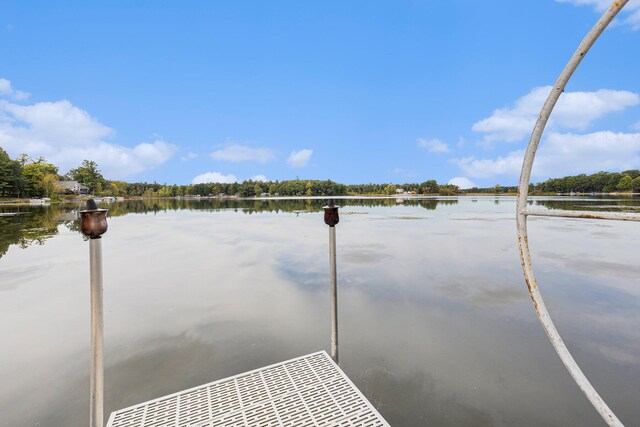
x: 521, y: 215
x: 614, y: 216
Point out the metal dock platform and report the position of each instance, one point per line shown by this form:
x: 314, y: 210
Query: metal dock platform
x: 307, y: 391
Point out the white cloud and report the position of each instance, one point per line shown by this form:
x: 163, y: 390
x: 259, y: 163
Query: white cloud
x: 189, y: 156
x: 6, y: 90
x: 233, y: 152
x: 260, y: 178
x: 577, y: 110
x: 5, y: 87
x: 563, y: 154
x: 212, y: 177
x: 568, y: 154
x: 633, y: 20
x: 487, y: 168
x: 462, y: 182
x: 114, y: 160
x: 66, y: 135
x: 300, y: 159
x: 57, y: 121
x: 433, y: 145
x: 635, y: 126
x: 152, y: 155
x: 574, y: 111
x: 632, y: 9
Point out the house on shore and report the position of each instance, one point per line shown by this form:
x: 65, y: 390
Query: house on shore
x: 73, y: 187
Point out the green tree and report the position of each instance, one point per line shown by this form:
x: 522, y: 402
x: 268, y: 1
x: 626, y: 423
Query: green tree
x: 449, y: 190
x: 165, y: 191
x: 34, y: 174
x: 635, y: 186
x: 430, y: 187
x: 246, y: 189
x: 614, y: 179
x: 89, y: 175
x: 116, y: 188
x: 49, y: 186
x: 11, y: 179
x: 625, y: 183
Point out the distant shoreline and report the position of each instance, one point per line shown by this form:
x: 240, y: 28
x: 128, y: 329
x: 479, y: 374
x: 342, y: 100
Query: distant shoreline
x: 26, y: 202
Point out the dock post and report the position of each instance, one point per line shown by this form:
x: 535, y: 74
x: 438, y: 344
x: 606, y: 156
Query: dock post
x: 331, y: 218
x: 94, y: 225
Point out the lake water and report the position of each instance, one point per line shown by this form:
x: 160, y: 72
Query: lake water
x: 436, y: 324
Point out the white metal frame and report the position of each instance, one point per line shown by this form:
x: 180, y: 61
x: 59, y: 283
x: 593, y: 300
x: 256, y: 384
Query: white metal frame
x: 521, y: 216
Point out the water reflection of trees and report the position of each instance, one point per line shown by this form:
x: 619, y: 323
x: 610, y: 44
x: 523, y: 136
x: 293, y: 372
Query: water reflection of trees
x: 24, y: 226
x: 251, y: 206
x: 610, y: 204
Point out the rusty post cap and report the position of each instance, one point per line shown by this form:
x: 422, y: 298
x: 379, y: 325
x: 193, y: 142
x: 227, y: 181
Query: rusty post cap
x: 331, y: 217
x: 93, y: 221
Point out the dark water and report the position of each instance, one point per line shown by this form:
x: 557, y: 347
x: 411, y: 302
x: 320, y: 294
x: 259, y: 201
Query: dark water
x: 436, y: 325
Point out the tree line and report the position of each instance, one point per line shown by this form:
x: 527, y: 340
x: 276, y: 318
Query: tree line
x: 601, y: 182
x: 27, y: 177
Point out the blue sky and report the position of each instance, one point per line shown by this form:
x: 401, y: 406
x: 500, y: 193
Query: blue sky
x: 356, y: 92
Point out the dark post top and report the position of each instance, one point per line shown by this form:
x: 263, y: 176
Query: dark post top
x: 93, y: 221
x: 331, y: 217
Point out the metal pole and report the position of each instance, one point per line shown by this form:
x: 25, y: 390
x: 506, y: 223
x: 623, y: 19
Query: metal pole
x: 334, y: 293
x: 93, y: 224
x: 97, y: 356
x: 331, y: 218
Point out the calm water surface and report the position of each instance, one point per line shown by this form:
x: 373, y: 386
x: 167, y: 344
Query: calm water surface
x: 436, y: 325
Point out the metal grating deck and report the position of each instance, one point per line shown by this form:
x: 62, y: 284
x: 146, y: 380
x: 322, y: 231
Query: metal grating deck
x: 307, y: 391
